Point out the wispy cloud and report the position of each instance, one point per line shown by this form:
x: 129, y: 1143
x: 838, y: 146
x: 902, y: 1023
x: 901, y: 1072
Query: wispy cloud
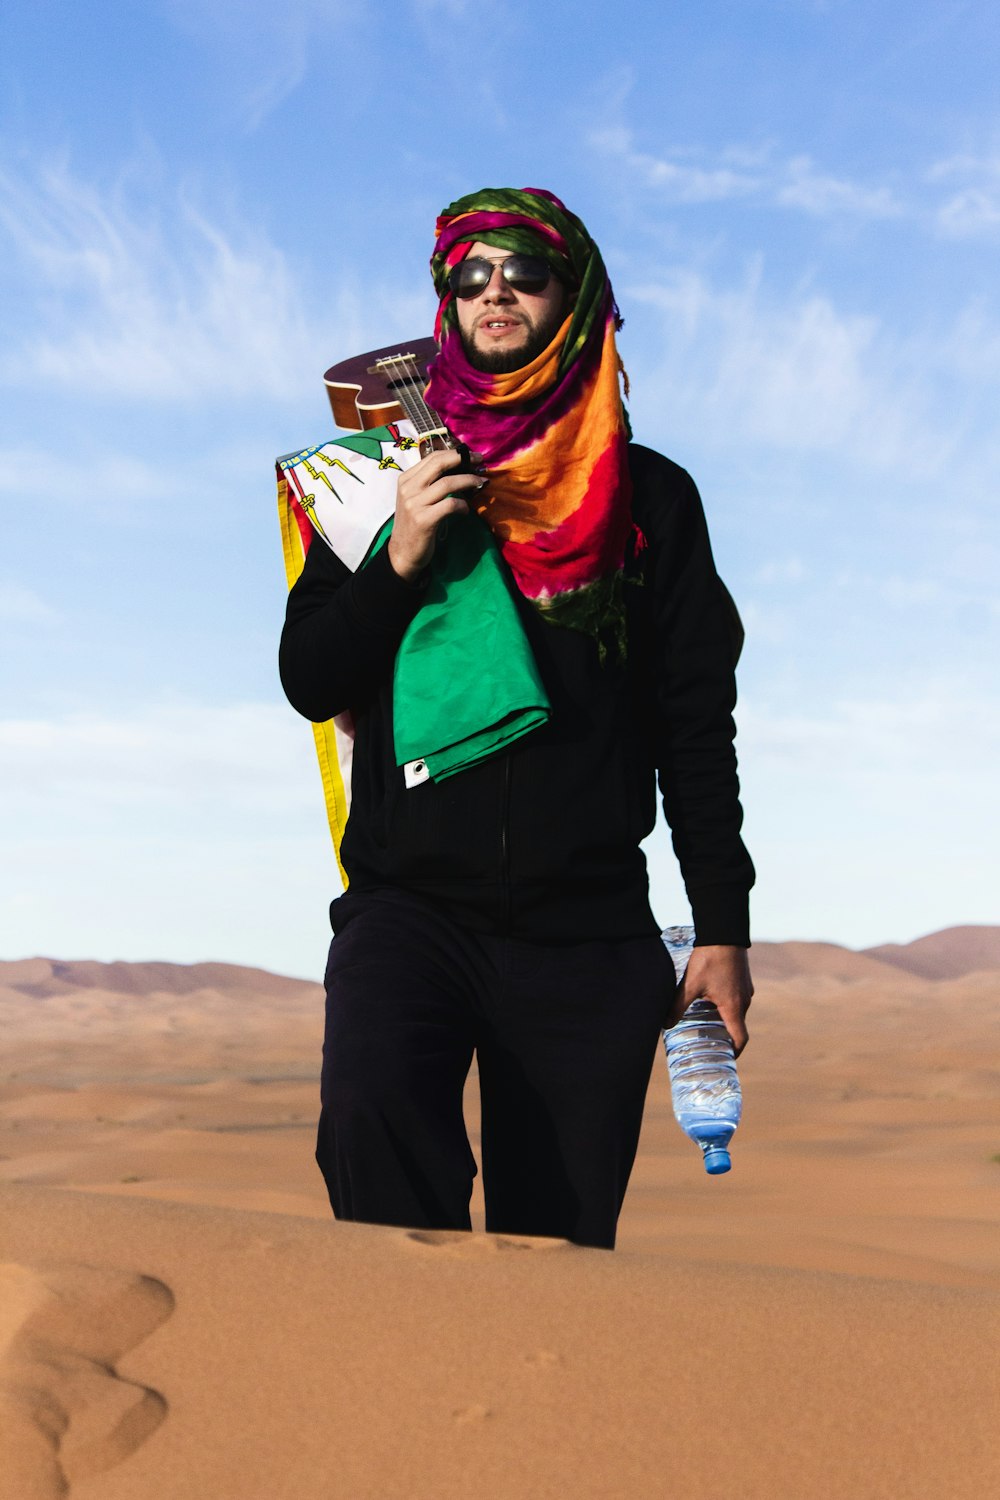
x: 897, y: 742
x: 693, y: 175
x: 680, y: 176
x: 958, y: 197
x: 792, y: 371
x: 867, y: 817
x: 973, y: 347
x: 173, y: 759
x: 972, y: 207
x: 799, y: 185
x: 72, y: 476
x: 113, y: 303
x: 116, y: 304
x: 785, y: 570
x: 176, y: 829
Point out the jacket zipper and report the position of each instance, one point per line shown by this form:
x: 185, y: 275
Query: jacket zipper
x: 505, y: 844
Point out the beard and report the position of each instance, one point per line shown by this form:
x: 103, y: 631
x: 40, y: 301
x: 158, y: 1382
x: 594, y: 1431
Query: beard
x: 504, y: 361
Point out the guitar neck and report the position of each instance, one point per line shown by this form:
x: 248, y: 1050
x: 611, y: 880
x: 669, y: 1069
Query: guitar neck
x: 403, y: 380
x: 386, y: 385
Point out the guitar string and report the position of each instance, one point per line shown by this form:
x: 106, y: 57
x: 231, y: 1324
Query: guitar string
x: 408, y: 390
x: 436, y: 424
x: 413, y: 403
x: 397, y: 378
x: 426, y: 419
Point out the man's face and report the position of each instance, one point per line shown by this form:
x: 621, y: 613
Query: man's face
x: 503, y: 329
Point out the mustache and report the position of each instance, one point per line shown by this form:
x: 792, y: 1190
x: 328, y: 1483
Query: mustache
x: 492, y: 317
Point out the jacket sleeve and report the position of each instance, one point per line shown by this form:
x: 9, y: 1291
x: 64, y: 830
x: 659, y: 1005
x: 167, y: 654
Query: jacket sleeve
x: 695, y: 644
x: 342, y: 631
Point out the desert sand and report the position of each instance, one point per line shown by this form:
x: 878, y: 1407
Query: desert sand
x: 180, y: 1317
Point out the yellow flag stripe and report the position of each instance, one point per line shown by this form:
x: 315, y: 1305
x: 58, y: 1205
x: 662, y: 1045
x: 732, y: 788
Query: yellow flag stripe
x: 328, y: 748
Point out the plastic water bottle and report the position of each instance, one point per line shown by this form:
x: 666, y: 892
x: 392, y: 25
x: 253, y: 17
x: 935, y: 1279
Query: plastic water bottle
x: 703, y: 1078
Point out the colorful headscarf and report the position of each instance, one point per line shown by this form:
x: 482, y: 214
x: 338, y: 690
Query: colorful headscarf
x: 553, y: 434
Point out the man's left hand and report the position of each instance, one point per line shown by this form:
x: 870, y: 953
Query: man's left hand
x: 722, y: 975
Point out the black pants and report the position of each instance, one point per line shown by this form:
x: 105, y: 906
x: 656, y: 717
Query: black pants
x: 564, y: 1036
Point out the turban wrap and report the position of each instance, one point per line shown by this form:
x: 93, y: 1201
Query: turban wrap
x: 554, y: 433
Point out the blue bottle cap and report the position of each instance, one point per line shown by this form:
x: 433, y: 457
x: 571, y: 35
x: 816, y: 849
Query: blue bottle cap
x: 717, y: 1160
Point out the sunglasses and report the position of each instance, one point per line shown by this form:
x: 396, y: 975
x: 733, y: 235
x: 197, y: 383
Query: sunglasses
x: 522, y: 273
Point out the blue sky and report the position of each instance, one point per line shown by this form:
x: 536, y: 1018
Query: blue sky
x: 205, y: 203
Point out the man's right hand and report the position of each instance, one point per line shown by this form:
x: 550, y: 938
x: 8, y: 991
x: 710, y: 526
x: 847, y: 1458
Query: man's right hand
x: 428, y: 492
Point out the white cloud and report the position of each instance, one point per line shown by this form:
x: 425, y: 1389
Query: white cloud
x: 782, y: 570
x: 170, y: 760
x: 678, y: 176
x: 972, y: 210
x: 867, y: 819
x: 873, y: 818
x: 824, y: 195
x: 189, y: 831
x: 110, y: 480
x: 881, y: 769
x: 177, y: 830
x: 906, y: 593
x: 883, y: 737
x: 261, y: 900
x: 767, y: 624
x: 691, y: 175
x: 797, y: 373
x: 116, y: 305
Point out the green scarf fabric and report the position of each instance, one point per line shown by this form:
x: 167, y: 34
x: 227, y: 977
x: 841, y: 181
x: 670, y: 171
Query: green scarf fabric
x: 466, y: 683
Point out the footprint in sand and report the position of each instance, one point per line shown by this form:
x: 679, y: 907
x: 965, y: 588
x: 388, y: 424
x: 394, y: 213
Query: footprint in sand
x: 460, y: 1242
x: 543, y: 1359
x: 65, y: 1412
x: 469, y: 1416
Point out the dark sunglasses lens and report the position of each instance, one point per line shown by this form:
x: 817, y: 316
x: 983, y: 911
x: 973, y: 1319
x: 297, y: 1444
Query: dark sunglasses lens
x: 525, y: 273
x: 469, y: 277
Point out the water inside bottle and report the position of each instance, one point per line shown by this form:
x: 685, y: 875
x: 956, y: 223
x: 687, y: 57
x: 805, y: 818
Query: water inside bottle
x: 704, y: 1084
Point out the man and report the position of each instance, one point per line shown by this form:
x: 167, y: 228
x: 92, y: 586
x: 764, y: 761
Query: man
x: 503, y: 911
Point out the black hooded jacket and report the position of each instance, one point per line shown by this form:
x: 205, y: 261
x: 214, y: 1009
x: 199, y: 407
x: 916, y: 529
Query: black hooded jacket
x: 541, y: 842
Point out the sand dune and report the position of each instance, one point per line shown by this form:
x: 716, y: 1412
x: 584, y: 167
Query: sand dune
x: 319, y: 1361
x: 820, y: 961
x: 946, y: 955
x: 180, y: 1317
x: 44, y: 978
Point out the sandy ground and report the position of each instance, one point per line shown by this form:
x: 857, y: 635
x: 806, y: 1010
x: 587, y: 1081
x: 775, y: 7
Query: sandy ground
x: 179, y: 1317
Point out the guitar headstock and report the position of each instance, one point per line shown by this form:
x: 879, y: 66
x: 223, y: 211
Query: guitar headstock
x: 361, y: 394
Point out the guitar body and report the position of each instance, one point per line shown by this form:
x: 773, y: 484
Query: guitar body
x: 361, y: 397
